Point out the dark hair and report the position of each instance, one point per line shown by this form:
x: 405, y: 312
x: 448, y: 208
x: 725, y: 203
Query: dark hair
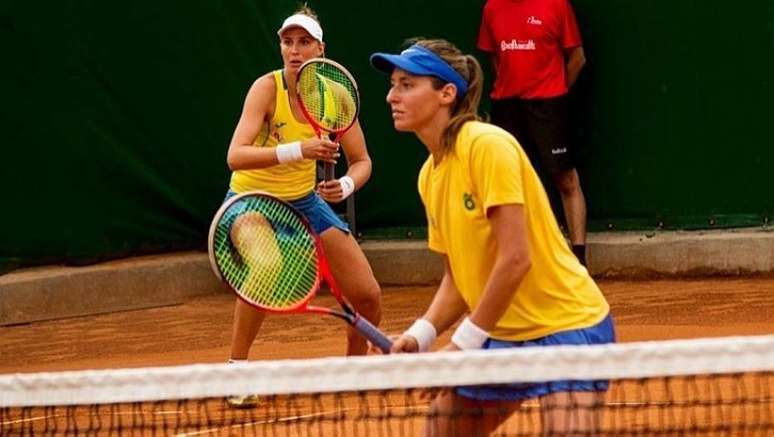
x: 466, y: 107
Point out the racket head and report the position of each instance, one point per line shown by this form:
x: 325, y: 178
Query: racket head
x: 328, y: 95
x: 265, y: 251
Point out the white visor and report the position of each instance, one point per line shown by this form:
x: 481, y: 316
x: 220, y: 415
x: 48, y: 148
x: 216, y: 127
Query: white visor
x: 305, y: 22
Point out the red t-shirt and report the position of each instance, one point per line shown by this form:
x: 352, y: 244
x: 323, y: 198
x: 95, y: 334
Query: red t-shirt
x: 528, y: 38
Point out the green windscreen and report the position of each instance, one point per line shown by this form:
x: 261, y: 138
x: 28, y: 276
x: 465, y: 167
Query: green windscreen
x: 117, y: 117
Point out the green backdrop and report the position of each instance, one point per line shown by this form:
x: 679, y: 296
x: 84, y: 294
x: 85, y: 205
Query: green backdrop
x: 116, y: 118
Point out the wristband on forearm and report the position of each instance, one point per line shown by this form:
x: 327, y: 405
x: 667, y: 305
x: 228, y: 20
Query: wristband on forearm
x: 424, y: 332
x: 347, y: 186
x: 290, y: 152
x: 469, y: 336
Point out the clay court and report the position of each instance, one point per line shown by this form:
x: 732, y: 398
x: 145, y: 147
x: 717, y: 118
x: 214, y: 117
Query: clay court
x: 198, y: 331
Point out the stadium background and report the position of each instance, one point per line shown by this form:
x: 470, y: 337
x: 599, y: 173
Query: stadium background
x: 116, y: 118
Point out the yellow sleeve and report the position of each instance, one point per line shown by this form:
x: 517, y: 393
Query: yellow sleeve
x: 434, y: 239
x: 496, y: 171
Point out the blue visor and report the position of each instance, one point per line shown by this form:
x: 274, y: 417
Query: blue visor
x: 421, y: 62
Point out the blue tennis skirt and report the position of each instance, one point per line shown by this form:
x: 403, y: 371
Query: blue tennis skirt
x: 317, y: 211
x: 601, y: 333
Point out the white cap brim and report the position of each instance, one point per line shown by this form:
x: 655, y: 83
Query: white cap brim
x: 305, y: 22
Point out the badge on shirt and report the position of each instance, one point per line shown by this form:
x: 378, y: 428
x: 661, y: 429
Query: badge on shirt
x: 468, y: 201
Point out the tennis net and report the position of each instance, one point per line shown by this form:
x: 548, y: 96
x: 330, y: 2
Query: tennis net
x: 719, y: 386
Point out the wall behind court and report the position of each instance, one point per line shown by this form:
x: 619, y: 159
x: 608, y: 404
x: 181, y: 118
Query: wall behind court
x: 116, y: 118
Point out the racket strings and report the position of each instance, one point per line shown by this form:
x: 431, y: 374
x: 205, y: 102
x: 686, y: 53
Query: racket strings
x: 265, y: 251
x: 299, y: 259
x: 329, y: 95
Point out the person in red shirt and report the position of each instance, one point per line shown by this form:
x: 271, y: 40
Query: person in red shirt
x: 537, y: 54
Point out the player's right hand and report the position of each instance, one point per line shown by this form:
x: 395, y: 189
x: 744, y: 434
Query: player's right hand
x: 401, y: 344
x: 404, y: 344
x: 320, y: 149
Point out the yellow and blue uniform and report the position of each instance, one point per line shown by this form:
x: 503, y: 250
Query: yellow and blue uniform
x: 557, y: 298
x: 293, y: 182
x: 488, y: 168
x: 289, y: 181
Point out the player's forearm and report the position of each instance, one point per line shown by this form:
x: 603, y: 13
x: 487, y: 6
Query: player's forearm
x: 447, y: 306
x: 506, y: 275
x: 575, y: 62
x: 245, y: 157
x: 360, y: 171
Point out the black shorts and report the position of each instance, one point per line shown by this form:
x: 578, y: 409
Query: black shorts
x: 542, y: 128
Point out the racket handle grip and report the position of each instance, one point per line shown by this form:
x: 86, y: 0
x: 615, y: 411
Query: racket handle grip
x: 373, y: 334
x: 329, y: 172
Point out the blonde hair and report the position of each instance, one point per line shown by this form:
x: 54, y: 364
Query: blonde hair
x: 465, y: 109
x: 304, y: 9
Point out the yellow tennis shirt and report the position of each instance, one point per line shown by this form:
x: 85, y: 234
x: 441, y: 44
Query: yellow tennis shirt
x: 488, y: 168
x: 287, y: 181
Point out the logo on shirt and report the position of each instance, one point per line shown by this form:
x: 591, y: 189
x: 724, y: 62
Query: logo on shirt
x: 517, y: 44
x: 559, y: 150
x: 468, y: 201
x: 534, y: 20
x: 275, y: 133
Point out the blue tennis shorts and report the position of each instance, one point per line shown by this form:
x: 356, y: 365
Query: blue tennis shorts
x: 317, y: 211
x: 601, y: 333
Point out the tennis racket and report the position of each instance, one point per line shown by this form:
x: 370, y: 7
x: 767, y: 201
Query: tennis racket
x: 270, y: 256
x: 329, y: 99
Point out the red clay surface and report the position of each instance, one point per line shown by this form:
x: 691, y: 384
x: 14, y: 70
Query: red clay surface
x: 199, y: 330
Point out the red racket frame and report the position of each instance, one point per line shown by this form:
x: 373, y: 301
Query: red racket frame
x: 334, y: 134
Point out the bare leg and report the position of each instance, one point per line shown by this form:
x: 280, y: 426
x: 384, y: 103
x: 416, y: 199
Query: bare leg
x: 573, y: 203
x: 575, y: 413
x: 355, y: 278
x: 454, y: 416
x: 247, y: 322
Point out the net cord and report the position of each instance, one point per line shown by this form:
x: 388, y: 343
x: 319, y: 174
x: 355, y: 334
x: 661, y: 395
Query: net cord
x: 615, y: 361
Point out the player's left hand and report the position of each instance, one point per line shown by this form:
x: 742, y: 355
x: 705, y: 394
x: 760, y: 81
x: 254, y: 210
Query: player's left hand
x: 334, y: 191
x: 330, y: 191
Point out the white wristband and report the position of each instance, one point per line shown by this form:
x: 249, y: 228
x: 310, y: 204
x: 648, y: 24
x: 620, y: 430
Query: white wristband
x: 290, y: 152
x: 424, y: 332
x: 347, y: 186
x: 469, y: 336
